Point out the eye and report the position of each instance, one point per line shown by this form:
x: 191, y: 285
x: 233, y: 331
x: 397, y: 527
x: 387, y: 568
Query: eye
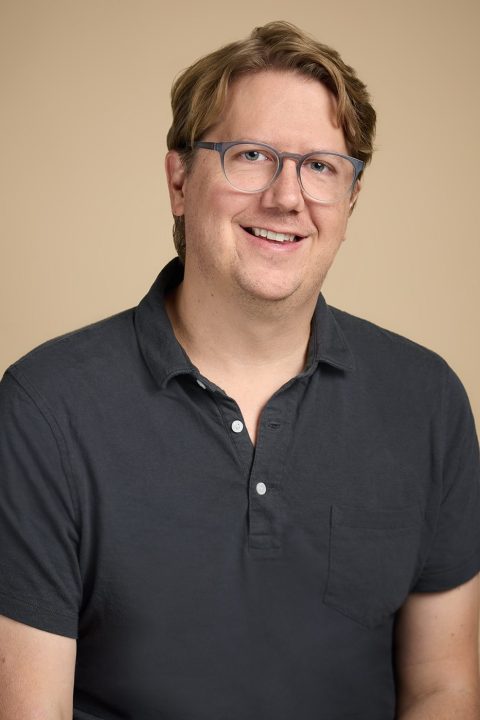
x: 243, y: 154
x: 318, y: 167
x: 253, y: 155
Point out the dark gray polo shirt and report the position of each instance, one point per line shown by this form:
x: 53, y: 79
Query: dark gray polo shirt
x: 208, y: 580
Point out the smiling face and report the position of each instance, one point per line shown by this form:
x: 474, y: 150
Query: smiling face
x: 226, y: 247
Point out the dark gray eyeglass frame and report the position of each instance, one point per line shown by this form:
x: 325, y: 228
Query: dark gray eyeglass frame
x: 222, y: 147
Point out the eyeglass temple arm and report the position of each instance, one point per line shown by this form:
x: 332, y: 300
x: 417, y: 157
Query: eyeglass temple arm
x: 207, y: 145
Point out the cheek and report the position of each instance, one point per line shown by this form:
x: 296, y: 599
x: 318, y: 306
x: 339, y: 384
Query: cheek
x: 208, y: 223
x: 331, y: 223
x: 216, y: 208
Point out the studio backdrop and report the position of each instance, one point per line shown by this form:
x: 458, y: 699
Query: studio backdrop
x: 85, y: 224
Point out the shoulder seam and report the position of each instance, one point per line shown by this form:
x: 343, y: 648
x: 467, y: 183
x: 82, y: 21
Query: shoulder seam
x: 44, y: 409
x: 391, y: 334
x: 51, y: 342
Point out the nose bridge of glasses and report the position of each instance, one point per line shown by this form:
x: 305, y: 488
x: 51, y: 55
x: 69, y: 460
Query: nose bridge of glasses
x: 289, y: 156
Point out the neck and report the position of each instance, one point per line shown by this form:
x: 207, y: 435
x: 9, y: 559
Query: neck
x: 224, y: 333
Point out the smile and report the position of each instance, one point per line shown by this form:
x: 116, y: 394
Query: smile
x: 272, y: 235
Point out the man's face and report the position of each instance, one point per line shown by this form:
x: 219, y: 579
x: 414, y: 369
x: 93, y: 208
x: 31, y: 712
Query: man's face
x: 293, y: 114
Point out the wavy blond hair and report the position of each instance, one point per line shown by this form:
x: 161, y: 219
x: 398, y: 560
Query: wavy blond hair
x: 199, y: 93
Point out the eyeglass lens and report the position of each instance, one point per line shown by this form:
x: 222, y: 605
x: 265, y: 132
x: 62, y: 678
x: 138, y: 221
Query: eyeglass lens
x: 324, y: 176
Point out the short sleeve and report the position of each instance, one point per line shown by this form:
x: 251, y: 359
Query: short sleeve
x: 40, y: 581
x: 454, y: 554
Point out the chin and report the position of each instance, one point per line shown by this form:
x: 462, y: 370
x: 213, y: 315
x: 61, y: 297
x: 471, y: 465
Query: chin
x: 265, y: 292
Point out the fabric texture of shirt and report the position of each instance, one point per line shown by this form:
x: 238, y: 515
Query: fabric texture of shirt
x: 206, y: 579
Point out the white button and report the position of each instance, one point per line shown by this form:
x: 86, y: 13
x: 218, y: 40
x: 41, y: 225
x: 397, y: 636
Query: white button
x: 202, y: 385
x: 237, y: 426
x: 261, y: 488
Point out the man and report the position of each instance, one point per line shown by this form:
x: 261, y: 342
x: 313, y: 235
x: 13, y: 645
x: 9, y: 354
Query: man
x: 235, y: 502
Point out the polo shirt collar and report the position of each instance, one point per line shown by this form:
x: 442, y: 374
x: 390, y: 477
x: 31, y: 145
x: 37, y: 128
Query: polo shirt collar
x: 161, y: 351
x: 166, y: 358
x: 328, y: 342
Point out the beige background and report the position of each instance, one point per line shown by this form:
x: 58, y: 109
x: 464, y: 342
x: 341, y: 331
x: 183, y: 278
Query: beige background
x: 84, y: 219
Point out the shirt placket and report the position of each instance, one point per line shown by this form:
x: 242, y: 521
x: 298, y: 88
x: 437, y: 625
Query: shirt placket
x: 264, y: 468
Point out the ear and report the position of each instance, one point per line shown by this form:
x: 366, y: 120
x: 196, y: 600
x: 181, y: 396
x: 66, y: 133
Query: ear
x: 352, y: 202
x: 354, y: 196
x: 175, y: 171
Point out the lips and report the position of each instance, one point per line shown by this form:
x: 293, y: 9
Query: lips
x: 274, y: 235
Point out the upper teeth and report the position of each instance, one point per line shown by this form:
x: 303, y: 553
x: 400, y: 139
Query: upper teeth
x: 270, y: 235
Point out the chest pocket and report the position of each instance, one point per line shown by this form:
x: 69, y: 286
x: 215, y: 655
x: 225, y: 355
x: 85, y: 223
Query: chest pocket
x: 373, y: 558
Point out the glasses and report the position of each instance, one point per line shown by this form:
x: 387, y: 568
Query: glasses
x: 252, y: 167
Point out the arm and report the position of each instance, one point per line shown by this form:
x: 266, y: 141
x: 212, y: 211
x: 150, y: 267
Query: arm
x: 437, y: 655
x: 36, y: 673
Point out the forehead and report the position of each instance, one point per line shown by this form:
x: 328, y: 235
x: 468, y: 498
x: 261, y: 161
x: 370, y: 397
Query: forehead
x: 282, y: 108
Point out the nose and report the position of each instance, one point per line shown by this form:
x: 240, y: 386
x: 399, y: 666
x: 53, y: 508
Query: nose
x: 285, y: 192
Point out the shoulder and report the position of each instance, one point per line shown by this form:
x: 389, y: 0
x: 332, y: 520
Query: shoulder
x: 87, y: 356
x: 387, y: 352
x: 394, y: 369
x: 366, y: 336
